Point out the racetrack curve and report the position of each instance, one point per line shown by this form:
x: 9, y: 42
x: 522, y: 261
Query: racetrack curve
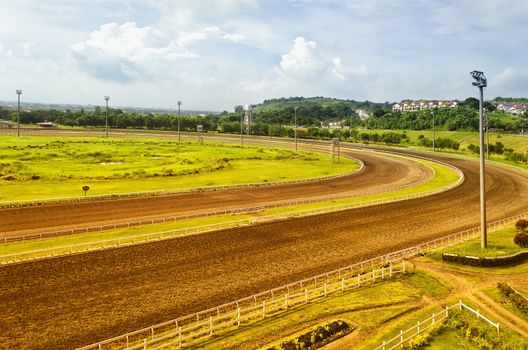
x: 76, y: 300
x: 380, y: 173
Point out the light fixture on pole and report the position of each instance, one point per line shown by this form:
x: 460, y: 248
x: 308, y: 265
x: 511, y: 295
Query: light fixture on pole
x: 106, y: 99
x: 487, y: 133
x: 179, y: 104
x: 295, y: 130
x: 19, y: 92
x: 481, y: 82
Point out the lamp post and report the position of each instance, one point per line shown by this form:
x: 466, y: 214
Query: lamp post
x: 19, y: 92
x: 295, y: 122
x: 433, y: 131
x: 106, y: 99
x: 179, y: 115
x: 481, y: 82
x: 242, y: 127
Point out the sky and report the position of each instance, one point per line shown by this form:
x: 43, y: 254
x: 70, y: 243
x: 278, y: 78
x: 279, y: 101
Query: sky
x: 216, y: 54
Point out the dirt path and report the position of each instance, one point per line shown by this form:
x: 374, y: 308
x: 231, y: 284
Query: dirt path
x: 463, y: 288
x: 76, y: 300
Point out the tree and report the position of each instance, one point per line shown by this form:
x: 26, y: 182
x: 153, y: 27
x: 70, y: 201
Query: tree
x: 471, y: 102
x: 521, y: 225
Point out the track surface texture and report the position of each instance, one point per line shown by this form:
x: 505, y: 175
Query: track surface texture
x: 76, y: 300
x: 379, y: 173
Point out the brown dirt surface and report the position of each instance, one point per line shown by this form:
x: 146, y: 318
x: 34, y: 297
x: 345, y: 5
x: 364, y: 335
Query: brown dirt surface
x: 76, y: 300
x: 380, y: 173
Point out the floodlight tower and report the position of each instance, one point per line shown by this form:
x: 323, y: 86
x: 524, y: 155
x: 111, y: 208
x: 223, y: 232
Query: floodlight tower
x: 179, y: 104
x: 295, y: 130
x: 242, y: 126
x: 481, y: 82
x: 106, y: 100
x: 19, y: 92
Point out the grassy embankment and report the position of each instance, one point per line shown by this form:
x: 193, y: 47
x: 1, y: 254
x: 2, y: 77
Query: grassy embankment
x: 500, y: 243
x: 52, y: 167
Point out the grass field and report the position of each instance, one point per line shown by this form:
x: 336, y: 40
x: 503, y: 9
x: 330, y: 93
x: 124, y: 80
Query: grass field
x: 499, y: 243
x: 518, y: 142
x: 52, y: 167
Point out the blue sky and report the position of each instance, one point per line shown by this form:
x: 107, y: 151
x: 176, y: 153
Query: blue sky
x: 215, y: 54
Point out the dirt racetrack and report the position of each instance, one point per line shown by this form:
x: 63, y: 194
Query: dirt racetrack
x: 73, y: 301
x: 379, y: 173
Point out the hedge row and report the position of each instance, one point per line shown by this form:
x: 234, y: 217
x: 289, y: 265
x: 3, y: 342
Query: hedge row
x: 316, y: 337
x: 518, y: 300
x: 486, y: 261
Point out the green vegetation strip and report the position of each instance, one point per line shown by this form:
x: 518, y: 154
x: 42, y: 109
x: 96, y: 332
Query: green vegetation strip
x: 55, y: 167
x: 500, y: 243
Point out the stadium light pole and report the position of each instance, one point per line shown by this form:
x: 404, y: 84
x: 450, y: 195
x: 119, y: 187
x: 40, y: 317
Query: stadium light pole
x: 481, y: 82
x: 179, y: 115
x: 242, y: 127
x: 106, y: 99
x: 19, y: 92
x: 295, y: 130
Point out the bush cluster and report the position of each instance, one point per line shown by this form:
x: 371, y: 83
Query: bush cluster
x: 316, y: 337
x: 482, y: 334
x: 486, y: 262
x: 521, y: 239
x: 521, y: 225
x: 518, y: 300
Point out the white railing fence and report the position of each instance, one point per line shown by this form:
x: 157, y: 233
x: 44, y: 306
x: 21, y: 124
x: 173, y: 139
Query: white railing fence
x: 229, y: 316
x: 421, y: 326
x: 168, y: 234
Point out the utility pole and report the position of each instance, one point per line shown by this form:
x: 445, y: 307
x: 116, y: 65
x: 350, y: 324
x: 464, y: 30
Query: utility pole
x: 19, y: 92
x: 106, y: 99
x: 242, y: 127
x: 295, y: 130
x: 481, y: 82
x: 179, y: 136
x: 433, y: 131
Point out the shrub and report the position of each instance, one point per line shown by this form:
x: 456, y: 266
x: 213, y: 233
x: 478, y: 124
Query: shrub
x: 521, y: 239
x: 521, y: 225
x: 316, y: 337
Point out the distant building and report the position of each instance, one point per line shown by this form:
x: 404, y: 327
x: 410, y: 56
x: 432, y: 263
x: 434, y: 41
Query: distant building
x: 512, y: 108
x: 46, y: 125
x: 419, y: 105
x: 363, y: 114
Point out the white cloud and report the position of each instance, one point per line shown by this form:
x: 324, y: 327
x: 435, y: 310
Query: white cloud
x: 208, y: 33
x: 510, y: 82
x: 302, y: 60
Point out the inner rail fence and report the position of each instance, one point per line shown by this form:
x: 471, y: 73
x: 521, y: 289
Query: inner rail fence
x: 168, y: 234
x: 230, y: 138
x: 230, y: 211
x: 32, y: 236
x: 204, y: 324
x: 421, y: 326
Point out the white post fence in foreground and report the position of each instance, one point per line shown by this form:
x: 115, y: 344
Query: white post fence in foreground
x: 204, y: 324
x: 422, y: 326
